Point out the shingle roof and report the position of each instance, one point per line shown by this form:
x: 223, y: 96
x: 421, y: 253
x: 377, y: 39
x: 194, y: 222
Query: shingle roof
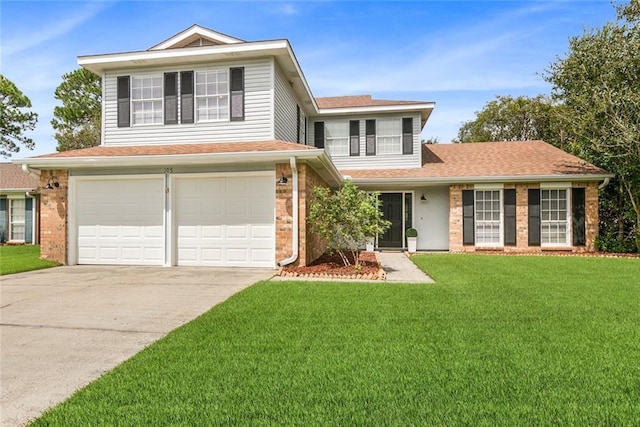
x: 488, y: 159
x: 12, y: 177
x: 177, y: 149
x: 358, y: 101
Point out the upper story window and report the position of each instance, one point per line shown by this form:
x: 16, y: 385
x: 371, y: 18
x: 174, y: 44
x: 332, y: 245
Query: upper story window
x: 146, y: 99
x: 181, y: 98
x: 337, y: 138
x: 389, y: 136
x: 212, y: 95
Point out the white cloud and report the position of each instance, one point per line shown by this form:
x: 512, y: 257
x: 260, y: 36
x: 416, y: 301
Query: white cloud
x: 57, y: 28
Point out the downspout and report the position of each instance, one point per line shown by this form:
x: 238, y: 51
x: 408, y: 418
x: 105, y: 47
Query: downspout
x: 604, y: 183
x: 294, y: 199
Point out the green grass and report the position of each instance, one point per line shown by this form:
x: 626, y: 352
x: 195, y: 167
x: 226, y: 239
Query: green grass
x: 16, y: 259
x: 497, y: 341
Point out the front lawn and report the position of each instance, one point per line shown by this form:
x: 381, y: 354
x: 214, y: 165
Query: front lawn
x: 16, y: 259
x: 497, y: 341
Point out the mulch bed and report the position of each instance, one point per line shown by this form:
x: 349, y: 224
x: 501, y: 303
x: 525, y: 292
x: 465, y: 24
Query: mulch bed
x: 330, y: 266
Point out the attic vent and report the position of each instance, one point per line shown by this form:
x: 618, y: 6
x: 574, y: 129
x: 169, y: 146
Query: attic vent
x: 199, y: 42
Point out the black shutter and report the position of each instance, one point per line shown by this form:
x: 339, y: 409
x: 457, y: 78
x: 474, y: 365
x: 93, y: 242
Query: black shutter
x: 237, y: 95
x: 534, y: 217
x: 170, y: 98
x: 3, y: 219
x: 186, y: 97
x: 124, y: 105
x: 298, y: 124
x: 509, y: 217
x: 318, y: 136
x: 468, y: 228
x: 578, y: 216
x: 370, y: 133
x: 354, y: 137
x: 28, y: 220
x: 407, y: 135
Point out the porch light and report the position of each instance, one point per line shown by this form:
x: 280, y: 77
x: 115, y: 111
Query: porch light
x: 423, y: 198
x: 283, y: 180
x: 52, y: 183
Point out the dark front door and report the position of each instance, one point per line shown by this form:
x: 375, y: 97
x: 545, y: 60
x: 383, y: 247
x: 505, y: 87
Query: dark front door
x: 392, y: 211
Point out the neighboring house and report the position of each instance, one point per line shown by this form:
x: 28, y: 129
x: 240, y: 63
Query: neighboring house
x: 211, y: 147
x: 19, y: 217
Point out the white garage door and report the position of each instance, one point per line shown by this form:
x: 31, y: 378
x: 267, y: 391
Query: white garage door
x: 225, y: 220
x: 120, y: 221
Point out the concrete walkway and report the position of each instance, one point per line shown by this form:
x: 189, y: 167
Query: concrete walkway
x: 400, y: 269
x: 61, y: 328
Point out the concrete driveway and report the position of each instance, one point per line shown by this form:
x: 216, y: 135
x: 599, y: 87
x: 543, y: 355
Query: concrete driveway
x: 61, y: 328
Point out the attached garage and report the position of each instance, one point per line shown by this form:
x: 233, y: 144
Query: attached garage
x: 225, y: 220
x: 120, y: 220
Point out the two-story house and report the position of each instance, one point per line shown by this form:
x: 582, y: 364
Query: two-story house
x: 211, y: 147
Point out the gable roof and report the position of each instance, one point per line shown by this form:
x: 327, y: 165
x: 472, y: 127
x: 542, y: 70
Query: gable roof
x: 194, y: 34
x: 13, y: 178
x: 507, y: 161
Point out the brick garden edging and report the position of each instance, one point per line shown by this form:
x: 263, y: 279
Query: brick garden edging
x: 379, y: 275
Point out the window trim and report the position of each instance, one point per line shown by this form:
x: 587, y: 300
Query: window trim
x: 500, y: 221
x: 132, y: 100
x: 568, y: 219
x: 11, y: 222
x: 227, y: 95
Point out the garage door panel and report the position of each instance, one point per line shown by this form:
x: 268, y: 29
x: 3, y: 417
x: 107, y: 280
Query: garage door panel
x: 120, y: 221
x: 230, y: 219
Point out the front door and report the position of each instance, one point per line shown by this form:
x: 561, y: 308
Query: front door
x: 392, y: 211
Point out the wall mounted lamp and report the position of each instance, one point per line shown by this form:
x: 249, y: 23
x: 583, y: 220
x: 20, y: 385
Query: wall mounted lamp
x: 283, y: 180
x: 423, y: 198
x: 52, y: 183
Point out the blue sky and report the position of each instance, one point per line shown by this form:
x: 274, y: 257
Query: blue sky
x: 459, y: 54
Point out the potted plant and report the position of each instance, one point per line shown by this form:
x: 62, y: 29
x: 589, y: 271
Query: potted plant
x: 412, y: 239
x: 369, y: 244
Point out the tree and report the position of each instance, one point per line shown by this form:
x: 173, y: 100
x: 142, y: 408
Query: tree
x: 346, y: 218
x: 515, y: 119
x: 15, y: 118
x: 598, y: 85
x: 78, y: 121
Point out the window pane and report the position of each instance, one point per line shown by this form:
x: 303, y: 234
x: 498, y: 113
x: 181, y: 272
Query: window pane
x: 487, y: 218
x: 212, y: 95
x: 554, y: 217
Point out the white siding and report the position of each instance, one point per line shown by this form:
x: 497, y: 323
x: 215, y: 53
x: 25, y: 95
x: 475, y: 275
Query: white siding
x: 285, y: 115
x: 379, y: 161
x: 258, y: 123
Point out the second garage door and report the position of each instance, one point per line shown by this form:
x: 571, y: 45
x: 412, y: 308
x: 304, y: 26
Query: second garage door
x: 225, y: 220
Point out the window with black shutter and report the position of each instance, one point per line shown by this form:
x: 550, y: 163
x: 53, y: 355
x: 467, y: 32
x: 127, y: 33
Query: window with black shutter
x: 468, y: 229
x: 354, y: 137
x: 534, y: 217
x: 318, y: 137
x: 370, y: 133
x: 170, y: 98
x: 509, y: 217
x: 407, y: 135
x: 578, y: 216
x: 124, y: 106
x: 186, y: 97
x: 237, y: 94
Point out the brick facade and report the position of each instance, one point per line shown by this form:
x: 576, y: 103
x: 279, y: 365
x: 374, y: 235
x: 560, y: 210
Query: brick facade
x: 53, y: 216
x: 522, y: 219
x: 310, y: 247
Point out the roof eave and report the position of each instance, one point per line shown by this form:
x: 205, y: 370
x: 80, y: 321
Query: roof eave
x: 480, y: 179
x: 317, y: 157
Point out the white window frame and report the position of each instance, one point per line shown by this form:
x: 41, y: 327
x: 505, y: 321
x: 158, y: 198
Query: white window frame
x: 149, y: 104
x: 13, y: 222
x: 336, y: 138
x: 483, y: 223
x: 549, y: 222
x: 391, y: 141
x: 219, y: 93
